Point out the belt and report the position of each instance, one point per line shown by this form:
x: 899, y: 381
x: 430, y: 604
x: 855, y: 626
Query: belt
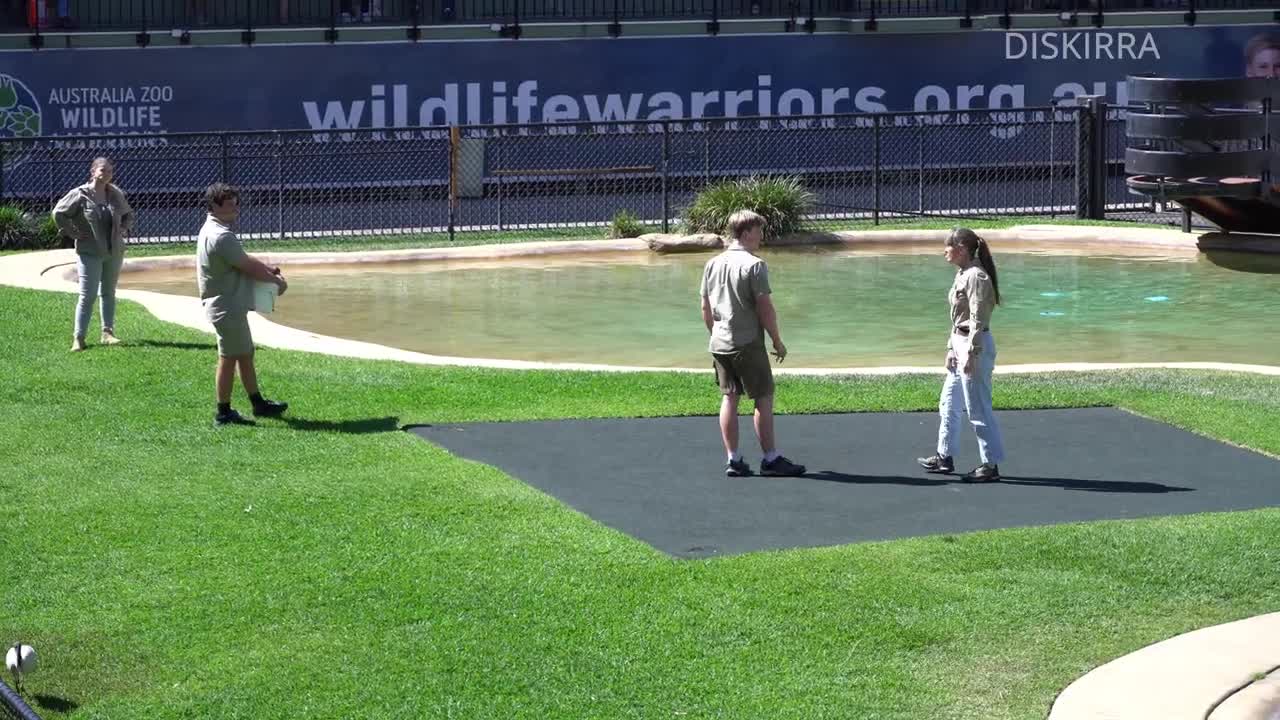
x: 965, y: 330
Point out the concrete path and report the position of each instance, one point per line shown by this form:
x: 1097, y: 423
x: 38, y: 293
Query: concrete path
x: 1224, y: 672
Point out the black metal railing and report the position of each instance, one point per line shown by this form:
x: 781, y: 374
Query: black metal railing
x: 166, y: 15
x: 494, y: 179
x: 13, y: 706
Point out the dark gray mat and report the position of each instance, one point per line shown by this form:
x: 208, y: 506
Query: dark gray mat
x: 662, y: 480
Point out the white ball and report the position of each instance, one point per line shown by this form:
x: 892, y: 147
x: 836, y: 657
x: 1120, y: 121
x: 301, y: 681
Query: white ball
x: 21, y: 659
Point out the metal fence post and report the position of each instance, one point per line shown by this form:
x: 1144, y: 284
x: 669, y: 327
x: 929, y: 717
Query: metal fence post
x: 52, y: 189
x: 920, y: 166
x: 247, y: 37
x: 615, y: 27
x: 414, y: 32
x: 1053, y: 170
x: 666, y: 195
x: 454, y: 138
x: 706, y: 155
x: 143, y: 38
x: 280, y: 150
x: 224, y: 169
x: 1098, y: 179
x: 1089, y: 131
x: 875, y: 169
x: 497, y: 166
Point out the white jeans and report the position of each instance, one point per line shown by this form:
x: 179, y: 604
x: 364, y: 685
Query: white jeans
x: 971, y: 394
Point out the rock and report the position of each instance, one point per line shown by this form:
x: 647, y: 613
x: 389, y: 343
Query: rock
x: 665, y: 243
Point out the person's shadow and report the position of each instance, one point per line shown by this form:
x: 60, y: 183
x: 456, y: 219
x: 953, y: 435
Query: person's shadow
x: 839, y: 477
x: 168, y: 344
x: 1105, y: 486
x: 351, y: 427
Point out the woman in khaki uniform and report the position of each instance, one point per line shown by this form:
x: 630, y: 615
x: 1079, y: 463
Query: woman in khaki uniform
x: 970, y: 359
x: 98, y: 217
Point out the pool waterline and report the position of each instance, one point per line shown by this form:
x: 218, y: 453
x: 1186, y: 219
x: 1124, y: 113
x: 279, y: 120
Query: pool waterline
x: 873, y: 305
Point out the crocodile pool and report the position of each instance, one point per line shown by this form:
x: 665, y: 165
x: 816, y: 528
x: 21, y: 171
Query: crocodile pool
x: 838, y: 306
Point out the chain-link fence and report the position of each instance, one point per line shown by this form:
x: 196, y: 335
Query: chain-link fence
x: 493, y: 180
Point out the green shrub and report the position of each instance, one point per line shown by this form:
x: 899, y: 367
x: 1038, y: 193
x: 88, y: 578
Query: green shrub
x: 16, y: 231
x: 21, y: 231
x: 50, y: 238
x: 782, y: 201
x: 626, y: 225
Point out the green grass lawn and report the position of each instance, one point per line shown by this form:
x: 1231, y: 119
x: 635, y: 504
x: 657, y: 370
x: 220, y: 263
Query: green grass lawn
x: 433, y: 240
x: 328, y: 565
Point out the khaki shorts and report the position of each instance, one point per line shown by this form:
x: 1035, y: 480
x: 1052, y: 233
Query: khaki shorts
x: 747, y: 370
x: 234, y: 338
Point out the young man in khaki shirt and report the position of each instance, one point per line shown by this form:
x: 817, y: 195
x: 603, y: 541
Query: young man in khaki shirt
x: 737, y: 309
x: 225, y: 275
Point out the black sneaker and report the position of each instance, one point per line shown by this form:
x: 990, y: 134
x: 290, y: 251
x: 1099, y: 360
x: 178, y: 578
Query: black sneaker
x: 737, y: 468
x: 937, y: 464
x: 985, y: 472
x: 230, y: 417
x: 781, y: 467
x: 269, y: 408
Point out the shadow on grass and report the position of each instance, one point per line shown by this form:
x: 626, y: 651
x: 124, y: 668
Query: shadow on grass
x: 351, y: 427
x: 55, y: 703
x: 173, y: 345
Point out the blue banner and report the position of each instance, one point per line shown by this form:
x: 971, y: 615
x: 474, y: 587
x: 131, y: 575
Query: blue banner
x: 390, y: 85
x: 359, y: 94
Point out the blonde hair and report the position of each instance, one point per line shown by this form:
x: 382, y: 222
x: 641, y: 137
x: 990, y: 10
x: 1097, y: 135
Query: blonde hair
x: 1258, y: 43
x: 101, y: 160
x: 743, y: 221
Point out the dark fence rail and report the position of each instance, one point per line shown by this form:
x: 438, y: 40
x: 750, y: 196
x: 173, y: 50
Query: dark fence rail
x: 163, y: 15
x: 1032, y: 161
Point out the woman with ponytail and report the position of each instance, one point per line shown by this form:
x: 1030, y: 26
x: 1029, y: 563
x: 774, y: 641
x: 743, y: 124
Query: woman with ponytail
x: 970, y: 359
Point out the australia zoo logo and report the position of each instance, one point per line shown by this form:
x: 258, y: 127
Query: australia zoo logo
x: 19, y: 118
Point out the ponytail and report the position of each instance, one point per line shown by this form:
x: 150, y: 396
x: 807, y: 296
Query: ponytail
x: 989, y: 264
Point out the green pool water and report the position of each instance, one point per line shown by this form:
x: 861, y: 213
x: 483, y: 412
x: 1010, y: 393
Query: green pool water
x: 837, y: 307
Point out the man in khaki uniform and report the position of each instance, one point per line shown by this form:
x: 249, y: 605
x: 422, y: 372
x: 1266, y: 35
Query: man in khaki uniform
x: 737, y: 309
x: 225, y: 274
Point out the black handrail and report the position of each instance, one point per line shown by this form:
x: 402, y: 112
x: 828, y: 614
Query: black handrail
x: 123, y: 15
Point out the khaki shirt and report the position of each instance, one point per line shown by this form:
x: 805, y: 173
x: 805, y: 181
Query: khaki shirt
x: 972, y: 298
x: 98, y: 229
x: 223, y: 288
x: 731, y: 281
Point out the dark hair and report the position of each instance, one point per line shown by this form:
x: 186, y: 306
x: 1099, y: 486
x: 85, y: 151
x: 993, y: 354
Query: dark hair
x: 218, y: 194
x: 977, y: 248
